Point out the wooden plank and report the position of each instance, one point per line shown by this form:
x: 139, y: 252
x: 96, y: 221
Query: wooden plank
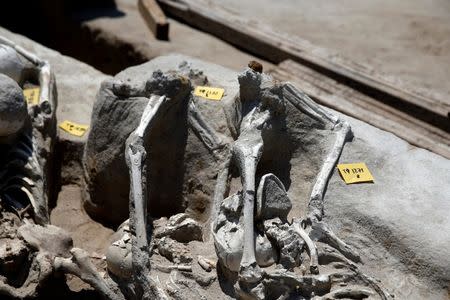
x: 349, y: 101
x: 276, y: 47
x: 154, y: 18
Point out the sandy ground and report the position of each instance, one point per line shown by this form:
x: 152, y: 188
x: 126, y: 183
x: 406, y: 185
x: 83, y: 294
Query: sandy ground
x: 408, y: 39
x: 123, y: 34
x: 86, y: 233
x: 68, y: 214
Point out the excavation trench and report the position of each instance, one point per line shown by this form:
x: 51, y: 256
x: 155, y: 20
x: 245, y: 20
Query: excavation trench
x: 62, y: 25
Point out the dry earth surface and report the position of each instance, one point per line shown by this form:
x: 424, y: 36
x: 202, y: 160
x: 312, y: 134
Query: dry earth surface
x: 408, y: 39
x: 129, y: 31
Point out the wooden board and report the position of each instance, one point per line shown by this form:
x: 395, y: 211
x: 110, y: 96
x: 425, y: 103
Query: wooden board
x: 349, y: 101
x: 276, y: 47
x: 154, y: 18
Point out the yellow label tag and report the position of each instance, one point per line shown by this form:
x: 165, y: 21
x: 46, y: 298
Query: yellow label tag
x: 74, y: 128
x: 353, y: 173
x: 208, y: 92
x: 32, y: 95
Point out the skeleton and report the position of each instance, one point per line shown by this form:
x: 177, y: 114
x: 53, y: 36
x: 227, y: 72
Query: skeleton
x: 31, y: 143
x: 138, y: 230
x: 250, y: 228
x: 27, y: 139
x: 245, y: 247
x: 254, y: 219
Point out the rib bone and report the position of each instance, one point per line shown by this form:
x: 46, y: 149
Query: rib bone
x: 314, y: 260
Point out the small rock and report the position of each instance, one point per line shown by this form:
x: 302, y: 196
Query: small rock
x: 182, y: 229
x: 272, y: 199
x: 13, y: 108
x: 177, y: 253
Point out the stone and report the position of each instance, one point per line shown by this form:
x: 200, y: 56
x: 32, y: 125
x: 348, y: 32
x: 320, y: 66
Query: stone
x: 177, y: 253
x: 272, y: 201
x: 182, y: 229
x: 116, y: 114
x: 13, y: 108
x: 176, y: 156
x: 77, y: 84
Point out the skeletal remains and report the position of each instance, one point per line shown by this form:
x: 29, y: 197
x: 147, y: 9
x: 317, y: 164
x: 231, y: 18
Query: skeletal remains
x: 250, y: 228
x: 261, y: 250
x: 245, y: 247
x: 31, y: 249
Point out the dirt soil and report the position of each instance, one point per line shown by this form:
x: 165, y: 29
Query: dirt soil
x: 86, y: 233
x: 122, y: 39
x: 408, y: 39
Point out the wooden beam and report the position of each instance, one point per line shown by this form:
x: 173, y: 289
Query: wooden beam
x: 154, y: 18
x: 351, y: 102
x: 276, y: 47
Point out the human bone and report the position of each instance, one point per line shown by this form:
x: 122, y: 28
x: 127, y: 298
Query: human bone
x: 365, y: 218
x: 251, y: 226
x: 27, y: 143
x: 256, y: 217
x: 32, y: 136
x: 257, y: 116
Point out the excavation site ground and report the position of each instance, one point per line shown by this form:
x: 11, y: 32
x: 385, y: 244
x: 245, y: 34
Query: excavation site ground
x: 202, y: 149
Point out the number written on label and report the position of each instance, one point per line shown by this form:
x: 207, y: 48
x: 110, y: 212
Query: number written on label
x: 74, y: 128
x: 208, y: 92
x: 32, y: 95
x: 354, y: 173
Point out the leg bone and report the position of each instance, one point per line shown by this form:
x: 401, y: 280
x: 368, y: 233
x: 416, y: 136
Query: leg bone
x: 145, y: 286
x: 302, y: 102
x: 247, y: 156
x: 322, y: 233
x: 80, y: 265
x: 202, y: 129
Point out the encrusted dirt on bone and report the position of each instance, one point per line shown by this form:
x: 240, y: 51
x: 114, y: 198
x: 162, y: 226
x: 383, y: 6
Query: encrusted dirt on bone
x: 291, y: 275
x: 15, y: 254
x: 181, y: 228
x: 177, y: 253
x: 179, y: 272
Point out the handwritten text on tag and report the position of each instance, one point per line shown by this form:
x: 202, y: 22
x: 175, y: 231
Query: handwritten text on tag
x: 74, y: 128
x: 208, y: 92
x: 32, y: 95
x: 354, y: 173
